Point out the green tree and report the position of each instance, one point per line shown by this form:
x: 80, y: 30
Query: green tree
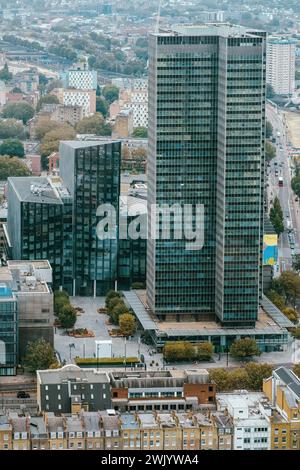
x: 12, y: 166
x: 205, y: 351
x: 12, y: 147
x: 140, y: 132
x: 270, y: 91
x: 269, y: 130
x: 296, y: 184
x: 138, y: 285
x: 39, y: 355
x: 11, y: 128
x: 110, y: 93
x: 256, y: 374
x: 47, y: 99
x: 276, y: 217
x: 21, y: 111
x: 290, y: 282
x: 245, y: 347
x: 67, y: 316
x: 5, y: 74
x: 93, y: 125
x: 178, y: 351
x: 118, y: 310
x: 110, y: 295
x: 102, y: 106
x: 296, y: 263
x: 16, y: 89
x: 127, y: 324
x: 61, y: 299
x: 270, y: 151
x: 295, y: 332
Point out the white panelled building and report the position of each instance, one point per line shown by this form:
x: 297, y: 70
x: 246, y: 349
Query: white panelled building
x: 281, y: 54
x: 250, y: 413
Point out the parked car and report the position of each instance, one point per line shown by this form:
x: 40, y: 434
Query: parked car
x: 22, y: 394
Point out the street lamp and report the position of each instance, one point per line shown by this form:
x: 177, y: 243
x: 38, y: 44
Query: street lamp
x: 125, y: 351
x: 71, y: 345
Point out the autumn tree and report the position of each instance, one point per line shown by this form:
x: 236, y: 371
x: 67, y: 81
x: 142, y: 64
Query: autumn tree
x: 204, y: 351
x: 245, y: 347
x: 93, y: 125
x: 12, y: 166
x: 178, y: 351
x: 127, y: 324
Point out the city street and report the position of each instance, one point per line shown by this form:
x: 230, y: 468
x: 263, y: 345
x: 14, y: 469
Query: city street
x: 280, y: 166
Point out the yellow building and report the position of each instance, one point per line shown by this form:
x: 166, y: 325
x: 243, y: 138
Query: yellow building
x: 208, y: 432
x: 5, y: 434
x: 20, y: 431
x: 56, y: 428
x: 283, y: 391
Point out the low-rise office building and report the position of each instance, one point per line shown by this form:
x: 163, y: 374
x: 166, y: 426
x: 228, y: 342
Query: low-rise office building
x: 172, y: 390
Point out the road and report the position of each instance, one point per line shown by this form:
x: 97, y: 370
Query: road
x: 280, y: 166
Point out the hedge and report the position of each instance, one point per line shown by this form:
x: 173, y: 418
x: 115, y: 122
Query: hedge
x: 106, y: 360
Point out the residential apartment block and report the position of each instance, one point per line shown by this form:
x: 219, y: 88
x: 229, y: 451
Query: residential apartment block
x: 281, y: 57
x: 80, y: 78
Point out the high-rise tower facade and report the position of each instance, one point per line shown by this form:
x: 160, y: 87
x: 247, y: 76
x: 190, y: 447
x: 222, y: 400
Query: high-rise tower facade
x: 206, y: 146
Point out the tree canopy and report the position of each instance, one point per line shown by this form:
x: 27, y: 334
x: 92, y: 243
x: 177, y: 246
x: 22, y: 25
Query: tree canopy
x: 127, y: 324
x: 12, y: 166
x: 11, y: 128
x: 276, y: 217
x: 39, y: 355
x: 270, y: 151
x: 140, y: 132
x: 5, y: 74
x: 21, y: 111
x: 110, y: 93
x: 245, y: 347
x: 93, y: 125
x: 12, y: 147
x: 47, y: 99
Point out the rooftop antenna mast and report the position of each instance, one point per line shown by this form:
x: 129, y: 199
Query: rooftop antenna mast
x: 158, y: 16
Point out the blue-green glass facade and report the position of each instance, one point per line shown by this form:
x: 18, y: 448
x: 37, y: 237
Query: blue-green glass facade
x: 206, y: 146
x: 8, y: 331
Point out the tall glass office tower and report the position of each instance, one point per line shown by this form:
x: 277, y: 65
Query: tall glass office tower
x: 206, y: 146
x: 91, y: 172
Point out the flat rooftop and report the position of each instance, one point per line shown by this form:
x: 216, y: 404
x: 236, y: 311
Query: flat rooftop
x: 209, y: 29
x: 79, y: 144
x: 34, y: 189
x: 73, y: 373
x: 269, y: 322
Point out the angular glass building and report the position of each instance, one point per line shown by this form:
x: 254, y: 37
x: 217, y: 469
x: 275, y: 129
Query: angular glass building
x: 206, y: 146
x: 91, y: 172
